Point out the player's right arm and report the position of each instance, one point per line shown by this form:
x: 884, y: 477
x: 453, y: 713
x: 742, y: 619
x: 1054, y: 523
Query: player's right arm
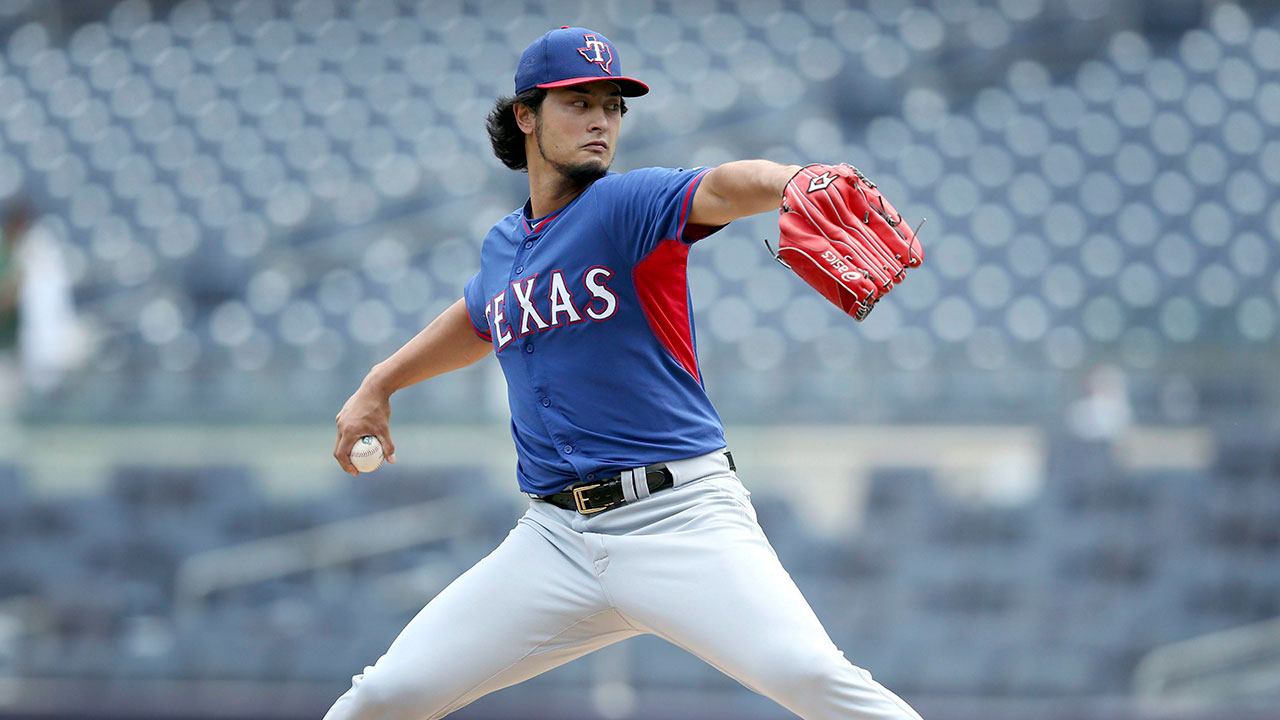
x: 448, y: 343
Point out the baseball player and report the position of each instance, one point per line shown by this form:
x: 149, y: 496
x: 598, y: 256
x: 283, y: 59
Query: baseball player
x: 637, y: 522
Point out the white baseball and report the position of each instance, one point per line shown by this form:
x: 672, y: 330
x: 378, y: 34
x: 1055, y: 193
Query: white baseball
x: 366, y: 454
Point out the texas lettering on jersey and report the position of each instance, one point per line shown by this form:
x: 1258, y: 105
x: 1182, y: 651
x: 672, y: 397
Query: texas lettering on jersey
x: 535, y: 304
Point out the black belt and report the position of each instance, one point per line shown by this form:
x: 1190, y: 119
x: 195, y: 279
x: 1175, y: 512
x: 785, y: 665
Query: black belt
x: 607, y: 494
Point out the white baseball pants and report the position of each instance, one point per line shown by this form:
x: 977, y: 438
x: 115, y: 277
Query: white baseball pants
x: 688, y: 564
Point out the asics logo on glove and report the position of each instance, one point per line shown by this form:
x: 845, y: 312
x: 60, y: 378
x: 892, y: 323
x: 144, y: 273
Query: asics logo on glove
x: 837, y: 262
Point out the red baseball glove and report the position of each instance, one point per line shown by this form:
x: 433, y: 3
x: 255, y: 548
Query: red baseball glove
x: 840, y: 235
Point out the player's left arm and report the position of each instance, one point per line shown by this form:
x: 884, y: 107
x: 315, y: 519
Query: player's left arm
x: 738, y: 189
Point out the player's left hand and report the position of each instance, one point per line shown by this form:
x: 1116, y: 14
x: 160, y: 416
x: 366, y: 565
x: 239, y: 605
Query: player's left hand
x: 838, y: 233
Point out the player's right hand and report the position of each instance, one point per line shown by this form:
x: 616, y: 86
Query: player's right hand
x: 366, y: 412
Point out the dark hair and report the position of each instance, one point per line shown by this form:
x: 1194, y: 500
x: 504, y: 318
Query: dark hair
x: 505, y: 135
x: 17, y: 217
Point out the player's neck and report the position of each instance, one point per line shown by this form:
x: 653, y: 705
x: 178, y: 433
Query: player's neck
x: 549, y: 190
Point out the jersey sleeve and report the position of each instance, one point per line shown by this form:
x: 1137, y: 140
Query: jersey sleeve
x: 641, y: 208
x: 474, y: 297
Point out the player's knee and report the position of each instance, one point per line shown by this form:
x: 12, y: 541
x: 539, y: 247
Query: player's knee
x: 812, y: 677
x: 812, y: 685
x: 819, y: 678
x: 382, y: 696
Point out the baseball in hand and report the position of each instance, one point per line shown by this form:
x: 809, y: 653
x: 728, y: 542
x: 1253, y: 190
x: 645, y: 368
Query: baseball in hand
x: 366, y: 455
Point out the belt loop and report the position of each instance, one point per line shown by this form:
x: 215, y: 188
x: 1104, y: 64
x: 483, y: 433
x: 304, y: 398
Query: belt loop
x: 635, y: 484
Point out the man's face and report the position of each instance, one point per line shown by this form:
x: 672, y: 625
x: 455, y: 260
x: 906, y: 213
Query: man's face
x: 577, y: 129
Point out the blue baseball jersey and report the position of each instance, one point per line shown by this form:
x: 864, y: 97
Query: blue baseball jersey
x: 589, y: 313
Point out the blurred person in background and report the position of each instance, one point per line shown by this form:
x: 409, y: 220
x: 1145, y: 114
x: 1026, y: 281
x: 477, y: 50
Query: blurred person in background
x: 16, y: 223
x: 40, y: 336
x: 1104, y: 412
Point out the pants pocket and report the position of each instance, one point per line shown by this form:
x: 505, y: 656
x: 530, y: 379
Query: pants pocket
x: 731, y: 486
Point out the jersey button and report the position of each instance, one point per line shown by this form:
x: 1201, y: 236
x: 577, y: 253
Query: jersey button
x: 528, y: 347
x: 568, y: 449
x: 519, y: 269
x: 546, y: 402
x: 528, y: 245
x: 591, y: 476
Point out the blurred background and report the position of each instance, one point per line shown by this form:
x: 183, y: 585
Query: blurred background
x: 1042, y: 480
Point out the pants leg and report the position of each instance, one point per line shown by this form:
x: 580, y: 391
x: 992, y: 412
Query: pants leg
x: 533, y: 604
x: 706, y: 579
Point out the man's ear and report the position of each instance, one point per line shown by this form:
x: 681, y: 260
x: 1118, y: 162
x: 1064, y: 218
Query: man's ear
x: 525, y: 117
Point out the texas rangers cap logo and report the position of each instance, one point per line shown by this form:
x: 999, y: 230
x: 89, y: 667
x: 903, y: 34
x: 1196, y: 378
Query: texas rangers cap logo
x: 555, y: 60
x: 597, y: 52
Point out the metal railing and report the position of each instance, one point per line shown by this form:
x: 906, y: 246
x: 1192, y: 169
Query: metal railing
x: 1233, y: 664
x: 333, y: 544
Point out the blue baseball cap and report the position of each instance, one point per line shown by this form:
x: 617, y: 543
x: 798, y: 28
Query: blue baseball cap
x: 573, y: 56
